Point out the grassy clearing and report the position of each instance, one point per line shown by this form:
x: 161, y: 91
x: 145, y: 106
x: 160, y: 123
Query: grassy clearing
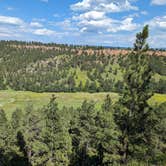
x: 157, y: 99
x: 81, y: 76
x: 10, y: 100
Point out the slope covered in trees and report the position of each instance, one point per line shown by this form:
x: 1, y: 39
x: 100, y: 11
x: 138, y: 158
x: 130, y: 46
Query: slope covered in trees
x: 61, y: 68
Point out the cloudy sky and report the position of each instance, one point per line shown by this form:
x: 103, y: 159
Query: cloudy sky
x: 93, y: 22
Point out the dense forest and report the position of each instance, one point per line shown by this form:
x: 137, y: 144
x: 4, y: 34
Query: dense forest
x: 84, y: 136
x: 128, y: 132
x: 65, y: 68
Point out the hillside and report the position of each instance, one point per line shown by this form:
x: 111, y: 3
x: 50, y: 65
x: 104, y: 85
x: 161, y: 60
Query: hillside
x: 67, y: 68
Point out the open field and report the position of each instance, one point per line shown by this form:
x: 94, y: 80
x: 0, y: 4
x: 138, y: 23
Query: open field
x: 10, y: 100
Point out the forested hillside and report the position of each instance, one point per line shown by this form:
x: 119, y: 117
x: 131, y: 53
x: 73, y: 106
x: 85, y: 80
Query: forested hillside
x: 65, y: 68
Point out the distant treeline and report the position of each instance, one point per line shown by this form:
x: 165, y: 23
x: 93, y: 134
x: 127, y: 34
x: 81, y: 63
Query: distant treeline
x: 35, y: 43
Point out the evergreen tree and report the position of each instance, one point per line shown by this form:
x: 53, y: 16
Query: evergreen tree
x: 30, y: 138
x: 159, y: 155
x: 140, y: 44
x: 17, y: 120
x: 8, y: 147
x: 56, y: 136
x: 2, y: 85
x: 107, y: 135
x: 85, y: 135
x: 14, y: 127
x: 3, y: 138
x: 71, y: 83
x: 80, y: 86
x: 133, y: 114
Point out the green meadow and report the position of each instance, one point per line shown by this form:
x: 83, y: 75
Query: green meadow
x: 11, y: 100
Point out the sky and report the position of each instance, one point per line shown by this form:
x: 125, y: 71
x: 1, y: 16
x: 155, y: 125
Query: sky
x: 83, y: 22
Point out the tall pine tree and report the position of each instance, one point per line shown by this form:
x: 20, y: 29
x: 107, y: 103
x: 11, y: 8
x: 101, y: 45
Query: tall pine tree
x: 107, y: 135
x: 85, y: 135
x: 3, y: 138
x: 56, y: 136
x: 133, y: 114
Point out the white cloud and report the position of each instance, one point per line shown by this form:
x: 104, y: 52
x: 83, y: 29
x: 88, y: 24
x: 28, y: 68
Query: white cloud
x: 158, y: 23
x: 99, y: 22
x: 84, y: 5
x: 14, y: 27
x: 128, y: 25
x: 10, y: 20
x: 159, y: 2
x: 36, y: 24
x: 44, y: 32
x: 67, y: 26
x: 5, y: 32
x: 157, y: 32
x: 105, y: 39
x: 108, y: 25
x: 95, y: 15
x: 158, y: 39
x: 107, y: 6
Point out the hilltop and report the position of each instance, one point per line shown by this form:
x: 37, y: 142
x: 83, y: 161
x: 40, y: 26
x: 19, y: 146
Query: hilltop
x: 79, y: 49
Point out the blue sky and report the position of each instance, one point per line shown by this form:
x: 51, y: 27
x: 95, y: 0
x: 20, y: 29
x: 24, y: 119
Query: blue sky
x: 92, y: 22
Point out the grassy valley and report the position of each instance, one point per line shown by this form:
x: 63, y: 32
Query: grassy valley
x: 11, y: 100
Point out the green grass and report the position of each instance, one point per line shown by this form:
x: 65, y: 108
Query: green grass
x: 10, y: 100
x: 81, y: 77
x: 157, y: 99
x: 157, y: 77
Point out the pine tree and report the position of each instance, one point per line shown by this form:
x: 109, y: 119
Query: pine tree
x: 3, y: 138
x: 56, y: 136
x: 85, y: 135
x: 2, y: 85
x: 30, y: 138
x: 133, y: 114
x: 140, y: 44
x: 159, y: 155
x: 107, y: 135
x: 16, y: 120
x: 15, y: 128
x: 8, y: 147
